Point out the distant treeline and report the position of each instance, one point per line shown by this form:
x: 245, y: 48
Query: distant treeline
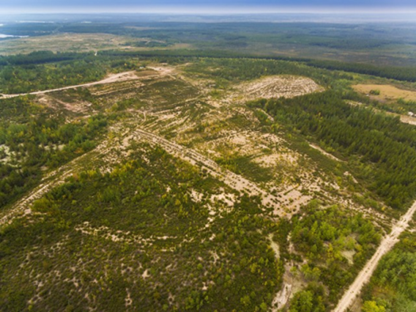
x: 46, y: 70
x: 41, y: 57
x: 398, y: 73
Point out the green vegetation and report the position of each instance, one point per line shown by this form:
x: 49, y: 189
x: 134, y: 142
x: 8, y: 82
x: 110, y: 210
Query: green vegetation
x: 398, y: 73
x: 393, y: 286
x: 321, y: 236
x: 45, y: 70
x: 384, y: 153
x: 32, y: 140
x: 135, y: 227
x: 156, y: 255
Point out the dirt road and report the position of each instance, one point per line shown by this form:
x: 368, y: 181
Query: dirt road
x: 364, y: 276
x: 233, y: 180
x: 126, y: 76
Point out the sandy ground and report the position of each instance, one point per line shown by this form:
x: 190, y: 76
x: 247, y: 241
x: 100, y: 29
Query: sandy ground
x: 325, y: 153
x: 267, y: 88
x: 233, y: 180
x: 278, y: 86
x: 364, y: 276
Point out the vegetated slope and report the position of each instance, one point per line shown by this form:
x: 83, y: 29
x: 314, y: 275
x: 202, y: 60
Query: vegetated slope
x: 153, y: 233
x: 134, y: 226
x: 32, y: 137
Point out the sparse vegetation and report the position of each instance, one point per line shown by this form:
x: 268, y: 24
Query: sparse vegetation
x: 196, y: 186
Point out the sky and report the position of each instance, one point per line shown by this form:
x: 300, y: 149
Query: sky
x: 212, y: 6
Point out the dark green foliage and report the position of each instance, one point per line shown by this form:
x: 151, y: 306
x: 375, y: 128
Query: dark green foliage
x: 45, y: 70
x: 380, y: 149
x: 398, y: 73
x: 28, y: 78
x: 33, y: 142
x: 309, y: 300
x: 39, y: 57
x: 393, y: 285
x: 321, y: 236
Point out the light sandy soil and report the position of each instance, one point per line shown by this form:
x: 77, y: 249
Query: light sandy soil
x: 126, y: 76
x: 349, y: 255
x: 9, y: 155
x: 233, y: 180
x: 278, y: 86
x: 119, y: 236
x: 387, y: 92
x: 267, y: 88
x: 408, y: 119
x: 325, y: 153
x: 364, y: 276
x: 74, y: 106
x: 292, y: 283
x: 274, y: 246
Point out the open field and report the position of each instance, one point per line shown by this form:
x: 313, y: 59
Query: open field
x: 387, y: 92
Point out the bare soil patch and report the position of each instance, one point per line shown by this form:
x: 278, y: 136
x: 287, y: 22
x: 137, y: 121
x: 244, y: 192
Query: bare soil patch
x: 278, y: 86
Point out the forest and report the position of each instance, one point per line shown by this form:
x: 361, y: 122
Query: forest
x: 143, y: 227
x: 398, y: 73
x: 38, y: 142
x: 384, y: 157
x: 393, y: 286
x: 46, y: 70
x: 321, y: 236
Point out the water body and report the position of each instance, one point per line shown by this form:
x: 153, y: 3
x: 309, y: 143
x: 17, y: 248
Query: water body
x: 3, y: 36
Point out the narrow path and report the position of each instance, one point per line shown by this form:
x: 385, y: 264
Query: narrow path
x: 233, y: 180
x: 58, y: 176
x: 126, y: 76
x: 51, y: 180
x: 364, y: 276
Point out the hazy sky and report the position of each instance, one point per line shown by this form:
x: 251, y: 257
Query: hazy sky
x: 201, y: 6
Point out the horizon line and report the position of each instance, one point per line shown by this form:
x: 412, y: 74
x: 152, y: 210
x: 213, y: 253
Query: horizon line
x: 217, y: 10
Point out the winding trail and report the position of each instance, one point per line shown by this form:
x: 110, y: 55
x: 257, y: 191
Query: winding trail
x: 364, y: 276
x: 126, y: 76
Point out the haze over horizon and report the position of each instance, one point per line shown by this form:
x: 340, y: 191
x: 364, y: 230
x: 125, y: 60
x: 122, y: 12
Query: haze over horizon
x: 214, y: 7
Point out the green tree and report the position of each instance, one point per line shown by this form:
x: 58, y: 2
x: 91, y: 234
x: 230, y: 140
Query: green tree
x: 371, y: 306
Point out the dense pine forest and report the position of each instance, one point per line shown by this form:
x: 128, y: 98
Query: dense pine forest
x: 379, y: 148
